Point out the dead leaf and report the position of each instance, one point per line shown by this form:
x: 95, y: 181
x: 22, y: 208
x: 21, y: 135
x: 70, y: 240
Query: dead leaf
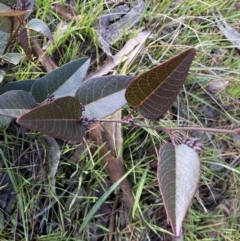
x: 54, y: 158
x: 47, y: 62
x: 116, y: 22
x: 230, y: 33
x: 63, y: 11
x: 114, y: 166
x: 128, y: 51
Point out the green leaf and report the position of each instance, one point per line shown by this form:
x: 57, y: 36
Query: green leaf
x: 154, y: 91
x: 178, y: 177
x: 72, y: 73
x: 13, y: 58
x: 18, y: 85
x: 59, y: 119
x: 71, y: 85
x: 104, y: 95
x: 15, y: 103
x: 8, y: 23
x: 41, y: 27
x: 3, y: 40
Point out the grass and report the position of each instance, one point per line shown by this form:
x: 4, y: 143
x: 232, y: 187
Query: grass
x: 80, y: 208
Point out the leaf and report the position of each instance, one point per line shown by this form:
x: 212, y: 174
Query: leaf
x: 25, y: 42
x: 54, y: 154
x: 178, y: 177
x: 6, y: 11
x: 51, y: 82
x: 230, y: 33
x: 70, y: 87
x: 128, y: 52
x: 7, y: 25
x: 104, y: 95
x: 113, y: 24
x: 3, y: 40
x: 41, y: 27
x: 59, y: 119
x: 13, y: 58
x: 17, y: 85
x: 154, y: 91
x: 15, y: 103
x: 4, y: 121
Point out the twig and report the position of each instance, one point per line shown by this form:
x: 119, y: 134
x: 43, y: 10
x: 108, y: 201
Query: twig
x: 47, y: 62
x: 168, y: 129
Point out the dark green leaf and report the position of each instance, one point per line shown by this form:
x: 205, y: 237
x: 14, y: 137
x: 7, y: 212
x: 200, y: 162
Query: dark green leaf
x: 154, y: 91
x: 70, y: 74
x: 17, y: 85
x: 104, y: 95
x: 4, y: 37
x: 8, y: 23
x: 15, y: 103
x: 178, y: 177
x: 13, y: 58
x: 59, y: 119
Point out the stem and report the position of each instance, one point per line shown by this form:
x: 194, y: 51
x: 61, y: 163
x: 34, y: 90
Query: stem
x: 12, y: 36
x: 168, y: 129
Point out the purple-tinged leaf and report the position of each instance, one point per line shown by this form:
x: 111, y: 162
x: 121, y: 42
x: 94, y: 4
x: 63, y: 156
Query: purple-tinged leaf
x: 153, y: 92
x: 25, y: 42
x: 59, y: 119
x: 178, y: 178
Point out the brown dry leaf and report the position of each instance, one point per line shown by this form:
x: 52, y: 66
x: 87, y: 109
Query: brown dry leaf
x: 116, y: 22
x: 63, y: 11
x: 110, y: 133
x: 47, y: 62
x: 128, y: 51
x: 54, y: 158
x: 114, y: 166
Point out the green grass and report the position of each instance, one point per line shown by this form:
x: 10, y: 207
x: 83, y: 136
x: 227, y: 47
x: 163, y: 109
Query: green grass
x: 84, y: 193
